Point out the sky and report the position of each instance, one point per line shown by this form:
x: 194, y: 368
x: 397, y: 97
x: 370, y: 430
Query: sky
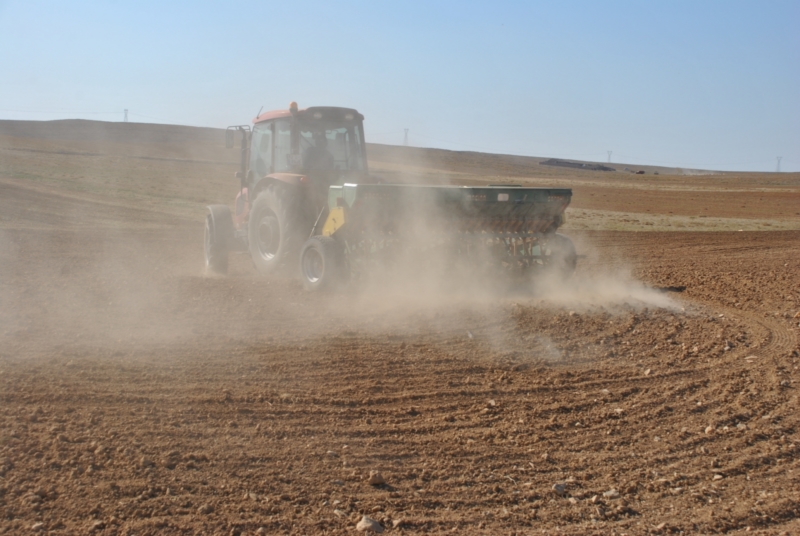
x: 697, y: 84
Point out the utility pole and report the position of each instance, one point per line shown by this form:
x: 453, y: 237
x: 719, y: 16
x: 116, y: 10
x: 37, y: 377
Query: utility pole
x: 125, y: 120
x: 778, y: 169
x: 405, y: 139
x: 609, y: 156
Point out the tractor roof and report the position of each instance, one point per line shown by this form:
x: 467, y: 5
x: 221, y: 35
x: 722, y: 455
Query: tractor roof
x: 314, y: 112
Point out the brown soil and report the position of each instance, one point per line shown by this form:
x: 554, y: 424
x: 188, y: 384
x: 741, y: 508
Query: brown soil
x: 141, y: 396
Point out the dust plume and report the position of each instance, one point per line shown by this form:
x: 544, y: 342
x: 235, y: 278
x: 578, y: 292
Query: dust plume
x: 435, y: 268
x: 587, y: 290
x: 102, y: 248
x: 452, y: 287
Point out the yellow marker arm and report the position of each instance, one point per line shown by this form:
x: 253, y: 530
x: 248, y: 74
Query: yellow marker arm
x: 334, y: 222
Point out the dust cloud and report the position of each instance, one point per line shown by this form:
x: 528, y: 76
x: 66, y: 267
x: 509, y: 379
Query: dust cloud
x: 438, y: 270
x: 429, y: 283
x: 609, y: 291
x: 487, y: 309
x: 101, y: 247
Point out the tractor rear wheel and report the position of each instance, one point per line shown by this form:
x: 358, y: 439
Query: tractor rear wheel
x: 321, y: 263
x: 561, y: 257
x: 216, y: 239
x: 275, y: 229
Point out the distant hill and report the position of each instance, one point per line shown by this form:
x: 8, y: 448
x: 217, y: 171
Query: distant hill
x: 143, y: 134
x: 114, y: 132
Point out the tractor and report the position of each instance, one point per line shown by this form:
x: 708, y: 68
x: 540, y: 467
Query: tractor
x: 308, y: 206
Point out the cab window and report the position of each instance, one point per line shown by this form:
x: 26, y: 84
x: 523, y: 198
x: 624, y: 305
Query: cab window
x: 331, y: 146
x: 283, y: 146
x: 261, y: 149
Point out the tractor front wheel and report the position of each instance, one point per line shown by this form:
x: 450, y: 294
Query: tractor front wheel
x: 321, y: 263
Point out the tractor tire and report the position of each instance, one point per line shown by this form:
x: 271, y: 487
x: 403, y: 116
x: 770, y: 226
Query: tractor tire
x: 275, y: 230
x: 561, y: 257
x: 322, y: 264
x: 217, y: 238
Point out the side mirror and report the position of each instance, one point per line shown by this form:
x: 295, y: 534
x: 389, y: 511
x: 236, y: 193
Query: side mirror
x: 230, y: 138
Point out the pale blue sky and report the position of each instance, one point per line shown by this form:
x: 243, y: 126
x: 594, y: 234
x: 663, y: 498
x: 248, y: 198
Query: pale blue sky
x: 704, y: 84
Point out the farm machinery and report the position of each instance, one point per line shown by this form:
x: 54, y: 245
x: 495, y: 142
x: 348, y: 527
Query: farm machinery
x: 307, y: 206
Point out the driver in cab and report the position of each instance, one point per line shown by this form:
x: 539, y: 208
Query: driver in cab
x: 317, y: 157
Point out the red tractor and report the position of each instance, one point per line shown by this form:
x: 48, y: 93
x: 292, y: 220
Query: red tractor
x: 307, y: 205
x: 289, y: 160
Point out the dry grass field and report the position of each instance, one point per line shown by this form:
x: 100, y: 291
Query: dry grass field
x: 655, y: 393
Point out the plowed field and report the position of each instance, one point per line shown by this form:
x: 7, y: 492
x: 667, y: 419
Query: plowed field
x: 656, y: 392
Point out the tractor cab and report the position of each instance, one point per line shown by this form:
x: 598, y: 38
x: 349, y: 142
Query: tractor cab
x: 301, y: 154
x: 325, y: 145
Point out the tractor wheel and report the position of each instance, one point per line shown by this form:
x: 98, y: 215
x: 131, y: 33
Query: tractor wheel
x: 322, y: 263
x: 275, y: 230
x: 561, y: 258
x: 217, y: 236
